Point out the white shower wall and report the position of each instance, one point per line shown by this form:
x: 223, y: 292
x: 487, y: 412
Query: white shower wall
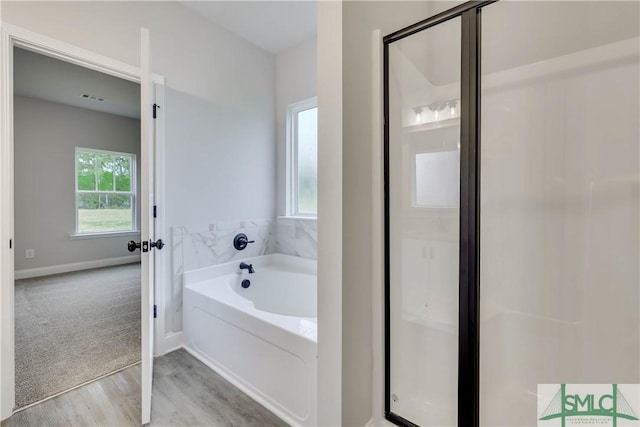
x: 560, y: 198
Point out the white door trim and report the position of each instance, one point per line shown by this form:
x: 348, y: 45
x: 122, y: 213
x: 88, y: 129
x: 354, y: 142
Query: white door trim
x: 147, y: 201
x: 10, y: 37
x: 330, y: 213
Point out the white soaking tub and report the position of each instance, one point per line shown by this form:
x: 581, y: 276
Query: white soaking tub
x: 262, y: 338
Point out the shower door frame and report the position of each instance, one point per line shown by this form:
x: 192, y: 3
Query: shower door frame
x: 469, y: 240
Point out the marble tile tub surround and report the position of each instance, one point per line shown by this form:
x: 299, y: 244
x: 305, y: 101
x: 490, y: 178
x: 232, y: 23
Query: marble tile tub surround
x: 198, y: 246
x: 297, y: 236
x: 211, y: 244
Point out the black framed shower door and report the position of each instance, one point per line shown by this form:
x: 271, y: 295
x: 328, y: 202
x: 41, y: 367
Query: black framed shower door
x: 560, y: 211
x: 468, y: 123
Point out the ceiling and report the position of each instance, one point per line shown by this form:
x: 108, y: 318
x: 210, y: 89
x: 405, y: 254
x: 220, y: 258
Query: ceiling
x: 272, y: 25
x: 42, y: 77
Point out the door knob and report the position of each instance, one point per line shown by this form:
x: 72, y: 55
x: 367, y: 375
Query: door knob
x: 132, y: 246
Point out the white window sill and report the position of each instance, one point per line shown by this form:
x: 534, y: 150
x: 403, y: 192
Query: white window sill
x: 80, y: 236
x: 293, y: 217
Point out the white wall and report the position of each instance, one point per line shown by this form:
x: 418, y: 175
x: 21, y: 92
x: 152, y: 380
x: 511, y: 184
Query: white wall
x: 46, y: 135
x: 219, y: 103
x: 360, y: 20
x: 296, y: 80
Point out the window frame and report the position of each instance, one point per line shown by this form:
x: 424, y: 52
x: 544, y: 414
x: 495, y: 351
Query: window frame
x: 132, y: 193
x: 292, y: 157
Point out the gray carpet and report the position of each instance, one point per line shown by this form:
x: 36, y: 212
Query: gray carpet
x: 72, y: 328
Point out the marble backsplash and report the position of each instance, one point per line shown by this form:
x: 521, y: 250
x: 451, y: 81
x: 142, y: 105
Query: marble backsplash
x: 211, y: 244
x: 198, y: 246
x: 295, y: 236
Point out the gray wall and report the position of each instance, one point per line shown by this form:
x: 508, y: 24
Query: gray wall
x: 46, y: 135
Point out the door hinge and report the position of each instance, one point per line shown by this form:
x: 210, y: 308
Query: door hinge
x: 155, y: 311
x: 155, y: 211
x: 155, y: 108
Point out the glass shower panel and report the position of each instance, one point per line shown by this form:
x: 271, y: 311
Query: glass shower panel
x: 559, y: 203
x: 424, y: 193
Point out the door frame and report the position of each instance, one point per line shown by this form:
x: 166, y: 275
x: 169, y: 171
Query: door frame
x: 12, y: 36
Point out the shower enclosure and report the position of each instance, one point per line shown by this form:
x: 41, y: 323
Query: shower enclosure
x: 511, y: 211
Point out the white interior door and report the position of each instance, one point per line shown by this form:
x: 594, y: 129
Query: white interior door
x: 146, y: 227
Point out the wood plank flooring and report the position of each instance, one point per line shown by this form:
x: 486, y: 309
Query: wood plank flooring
x: 185, y: 393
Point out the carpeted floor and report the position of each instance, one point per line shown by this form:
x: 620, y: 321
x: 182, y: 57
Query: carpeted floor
x: 72, y: 328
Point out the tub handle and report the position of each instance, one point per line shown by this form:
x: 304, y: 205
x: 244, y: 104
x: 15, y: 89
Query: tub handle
x: 241, y: 241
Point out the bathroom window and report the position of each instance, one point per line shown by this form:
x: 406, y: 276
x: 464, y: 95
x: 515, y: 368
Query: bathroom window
x: 105, y: 191
x: 302, y: 159
x: 436, y: 183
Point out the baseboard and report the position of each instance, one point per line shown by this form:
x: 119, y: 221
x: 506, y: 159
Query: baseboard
x: 170, y: 342
x: 76, y: 266
x: 379, y: 422
x: 239, y: 383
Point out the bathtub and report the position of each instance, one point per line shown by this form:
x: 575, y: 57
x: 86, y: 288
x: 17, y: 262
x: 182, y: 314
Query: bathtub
x: 262, y: 338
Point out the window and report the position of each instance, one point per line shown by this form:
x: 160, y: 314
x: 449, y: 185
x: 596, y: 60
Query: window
x: 105, y: 191
x: 437, y: 176
x: 436, y: 169
x: 302, y: 162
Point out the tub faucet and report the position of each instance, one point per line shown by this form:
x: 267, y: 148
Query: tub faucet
x: 245, y: 266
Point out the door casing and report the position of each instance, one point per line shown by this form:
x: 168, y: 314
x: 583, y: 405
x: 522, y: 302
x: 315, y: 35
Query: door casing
x: 12, y: 36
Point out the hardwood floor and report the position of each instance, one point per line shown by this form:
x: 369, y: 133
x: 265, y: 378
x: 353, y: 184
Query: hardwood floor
x: 185, y: 393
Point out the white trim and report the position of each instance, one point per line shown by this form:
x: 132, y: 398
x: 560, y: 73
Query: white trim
x: 377, y: 229
x: 7, y: 325
x: 299, y: 218
x: 147, y: 158
x: 370, y: 423
x: 67, y: 52
x: 163, y: 343
x: 170, y: 342
x: 28, y: 273
x: 291, y: 164
x: 83, y: 236
x: 380, y: 422
x: 330, y: 145
x: 15, y: 36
